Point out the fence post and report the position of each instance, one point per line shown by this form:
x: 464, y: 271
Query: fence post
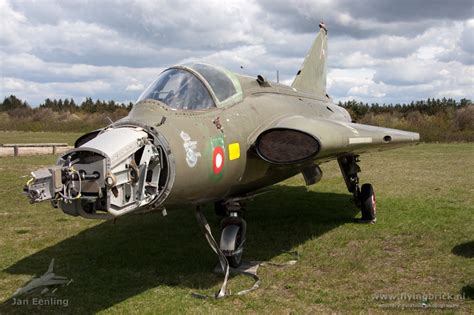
x: 15, y: 150
x: 54, y: 149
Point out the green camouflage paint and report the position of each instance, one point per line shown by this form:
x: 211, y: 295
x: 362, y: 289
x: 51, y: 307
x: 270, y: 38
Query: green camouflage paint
x: 217, y: 158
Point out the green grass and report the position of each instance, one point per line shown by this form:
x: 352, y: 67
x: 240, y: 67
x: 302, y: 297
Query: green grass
x: 151, y: 264
x: 38, y: 137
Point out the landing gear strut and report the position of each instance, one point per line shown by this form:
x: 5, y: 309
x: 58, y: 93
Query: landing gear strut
x: 233, y: 228
x: 364, y: 197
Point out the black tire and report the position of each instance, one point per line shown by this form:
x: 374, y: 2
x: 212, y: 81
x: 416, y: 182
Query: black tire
x: 236, y: 259
x: 368, y: 203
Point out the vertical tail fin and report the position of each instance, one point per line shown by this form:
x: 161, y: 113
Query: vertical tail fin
x: 51, y: 266
x: 311, y: 77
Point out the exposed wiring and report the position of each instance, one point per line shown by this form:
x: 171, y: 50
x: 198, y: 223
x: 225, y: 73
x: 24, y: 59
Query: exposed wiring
x: 66, y: 194
x: 28, y: 183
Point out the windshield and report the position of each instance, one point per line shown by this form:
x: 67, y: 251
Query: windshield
x: 179, y: 89
x: 220, y: 82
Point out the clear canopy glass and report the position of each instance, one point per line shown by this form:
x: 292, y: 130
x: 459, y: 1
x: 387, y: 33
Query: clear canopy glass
x: 219, y: 81
x: 195, y: 86
x: 179, y: 89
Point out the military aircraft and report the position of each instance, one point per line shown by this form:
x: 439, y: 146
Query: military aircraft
x: 202, y: 134
x: 44, y: 282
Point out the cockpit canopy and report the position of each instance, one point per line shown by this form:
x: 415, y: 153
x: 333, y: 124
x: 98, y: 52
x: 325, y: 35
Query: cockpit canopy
x: 179, y: 89
x: 194, y: 86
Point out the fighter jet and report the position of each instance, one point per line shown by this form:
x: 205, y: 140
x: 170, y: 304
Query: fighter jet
x: 202, y: 134
x: 44, y: 282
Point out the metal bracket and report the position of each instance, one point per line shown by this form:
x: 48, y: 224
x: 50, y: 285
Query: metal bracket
x: 350, y: 169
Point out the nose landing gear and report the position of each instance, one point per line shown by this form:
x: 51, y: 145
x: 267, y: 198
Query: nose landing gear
x: 364, y: 197
x: 230, y: 248
x: 233, y: 228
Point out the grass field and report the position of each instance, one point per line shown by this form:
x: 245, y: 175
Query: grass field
x: 423, y: 243
x: 38, y: 137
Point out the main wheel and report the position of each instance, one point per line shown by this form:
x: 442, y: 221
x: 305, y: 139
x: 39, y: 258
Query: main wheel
x: 236, y: 258
x: 231, y: 244
x: 368, y: 204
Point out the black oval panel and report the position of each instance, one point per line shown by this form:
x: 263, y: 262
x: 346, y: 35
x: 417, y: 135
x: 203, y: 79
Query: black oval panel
x: 284, y: 146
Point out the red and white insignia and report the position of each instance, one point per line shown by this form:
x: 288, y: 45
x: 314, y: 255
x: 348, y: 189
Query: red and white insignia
x: 218, y: 158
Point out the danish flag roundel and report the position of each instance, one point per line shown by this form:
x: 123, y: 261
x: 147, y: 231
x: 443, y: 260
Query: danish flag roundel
x: 218, y: 159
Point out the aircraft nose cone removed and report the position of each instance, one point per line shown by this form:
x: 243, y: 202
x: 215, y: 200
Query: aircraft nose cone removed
x: 120, y: 170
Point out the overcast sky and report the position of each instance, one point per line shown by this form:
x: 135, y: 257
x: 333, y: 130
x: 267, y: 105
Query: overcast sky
x: 379, y: 50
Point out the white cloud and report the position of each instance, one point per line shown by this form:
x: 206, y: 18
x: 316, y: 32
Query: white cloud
x: 388, y: 52
x: 36, y: 92
x: 135, y: 87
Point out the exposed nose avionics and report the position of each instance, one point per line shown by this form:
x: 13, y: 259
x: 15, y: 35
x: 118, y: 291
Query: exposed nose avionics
x: 121, y: 169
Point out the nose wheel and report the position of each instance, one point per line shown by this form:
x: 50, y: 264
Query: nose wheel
x: 233, y: 230
x: 232, y: 241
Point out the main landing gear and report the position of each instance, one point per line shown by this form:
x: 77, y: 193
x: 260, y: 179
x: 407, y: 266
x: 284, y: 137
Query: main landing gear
x: 233, y: 229
x: 364, y: 197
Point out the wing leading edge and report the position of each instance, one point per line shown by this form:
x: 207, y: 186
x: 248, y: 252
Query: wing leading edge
x: 296, y: 139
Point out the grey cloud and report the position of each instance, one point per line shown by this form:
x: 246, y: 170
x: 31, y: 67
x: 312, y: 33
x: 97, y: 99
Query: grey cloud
x: 466, y: 41
x: 180, y: 24
x: 410, y: 10
x: 366, y: 18
x: 401, y: 47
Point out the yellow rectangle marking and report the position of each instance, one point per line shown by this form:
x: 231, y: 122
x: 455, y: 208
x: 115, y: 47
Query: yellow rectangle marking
x: 234, y: 151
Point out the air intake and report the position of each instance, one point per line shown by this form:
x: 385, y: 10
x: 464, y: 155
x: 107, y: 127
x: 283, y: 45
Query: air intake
x: 285, y: 146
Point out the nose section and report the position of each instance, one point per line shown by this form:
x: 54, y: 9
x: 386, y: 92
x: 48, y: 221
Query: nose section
x: 122, y: 169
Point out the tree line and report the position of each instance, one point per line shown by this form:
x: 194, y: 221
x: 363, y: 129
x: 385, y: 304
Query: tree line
x: 443, y: 120
x: 66, y: 105
x: 431, y: 106
x: 436, y: 119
